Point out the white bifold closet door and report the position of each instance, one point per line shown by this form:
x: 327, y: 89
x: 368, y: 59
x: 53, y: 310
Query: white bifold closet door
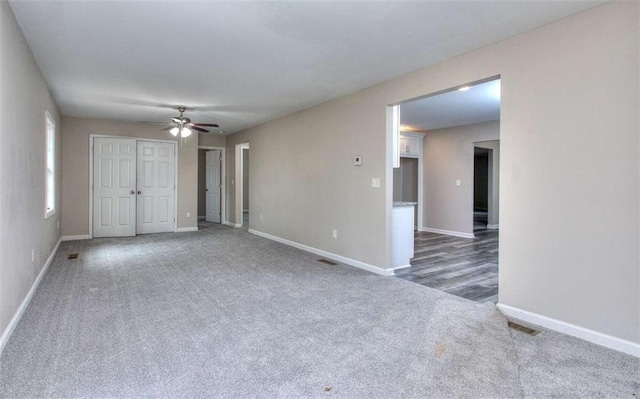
x: 133, y: 187
x: 156, y: 187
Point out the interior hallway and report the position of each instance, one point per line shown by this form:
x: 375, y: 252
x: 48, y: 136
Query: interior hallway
x: 465, y: 267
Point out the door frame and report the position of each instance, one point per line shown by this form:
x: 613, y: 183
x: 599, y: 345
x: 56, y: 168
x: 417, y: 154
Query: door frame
x: 136, y: 139
x: 223, y: 174
x: 239, y: 182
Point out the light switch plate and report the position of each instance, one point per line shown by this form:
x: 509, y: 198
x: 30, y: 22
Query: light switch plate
x: 357, y: 160
x: 375, y: 182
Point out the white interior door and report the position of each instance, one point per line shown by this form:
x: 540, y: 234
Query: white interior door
x: 155, y: 187
x: 212, y: 186
x: 114, y: 185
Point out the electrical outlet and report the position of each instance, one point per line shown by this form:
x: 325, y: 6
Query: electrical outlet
x: 375, y: 182
x: 334, y: 234
x: 261, y: 218
x: 33, y: 255
x: 57, y: 225
x: 188, y: 214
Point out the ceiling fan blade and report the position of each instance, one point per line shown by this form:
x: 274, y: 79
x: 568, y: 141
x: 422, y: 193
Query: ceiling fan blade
x: 205, y: 124
x: 176, y: 119
x: 197, y: 128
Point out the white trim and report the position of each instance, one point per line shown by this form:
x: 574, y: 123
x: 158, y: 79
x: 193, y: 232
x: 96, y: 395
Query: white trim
x: 332, y: 256
x: 447, y: 232
x: 493, y: 226
x: 595, y: 337
x: 49, y: 121
x: 186, y: 229
x: 232, y: 224
x: 25, y: 302
x: 74, y: 238
x: 240, y: 181
x: 393, y: 130
x: 416, y: 135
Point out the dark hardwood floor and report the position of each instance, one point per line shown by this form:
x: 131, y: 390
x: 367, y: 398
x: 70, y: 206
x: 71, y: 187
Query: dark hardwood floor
x: 466, y: 267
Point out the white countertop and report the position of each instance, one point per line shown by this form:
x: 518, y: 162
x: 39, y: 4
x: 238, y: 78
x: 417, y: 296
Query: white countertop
x: 404, y: 203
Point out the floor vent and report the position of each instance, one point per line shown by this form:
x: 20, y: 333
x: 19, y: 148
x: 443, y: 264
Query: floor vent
x: 328, y: 262
x: 73, y: 256
x: 523, y: 329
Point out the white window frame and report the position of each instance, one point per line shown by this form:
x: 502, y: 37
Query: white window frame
x: 50, y: 166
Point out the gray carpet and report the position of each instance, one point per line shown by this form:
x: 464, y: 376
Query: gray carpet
x: 222, y: 313
x: 467, y: 352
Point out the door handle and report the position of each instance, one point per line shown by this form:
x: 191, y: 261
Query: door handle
x: 139, y: 192
x: 132, y: 192
x: 206, y: 189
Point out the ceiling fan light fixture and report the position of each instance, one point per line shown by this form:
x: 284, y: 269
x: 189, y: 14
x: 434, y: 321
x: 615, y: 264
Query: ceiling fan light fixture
x: 185, y: 132
x: 174, y: 131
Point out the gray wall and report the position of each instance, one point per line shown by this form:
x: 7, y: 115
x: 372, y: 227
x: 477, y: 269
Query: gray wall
x: 449, y: 156
x: 75, y: 169
x: 212, y: 140
x: 569, y: 225
x: 24, y: 99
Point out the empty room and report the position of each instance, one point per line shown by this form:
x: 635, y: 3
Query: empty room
x: 200, y: 200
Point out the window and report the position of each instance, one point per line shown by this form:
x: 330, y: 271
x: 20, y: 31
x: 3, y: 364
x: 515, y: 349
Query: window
x: 50, y: 192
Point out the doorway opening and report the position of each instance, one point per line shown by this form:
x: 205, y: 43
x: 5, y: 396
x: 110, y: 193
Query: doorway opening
x: 211, y: 186
x: 455, y: 245
x: 480, y: 188
x: 486, y: 185
x: 242, y: 211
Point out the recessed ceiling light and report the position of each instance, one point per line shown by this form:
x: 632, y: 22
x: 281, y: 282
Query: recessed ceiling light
x: 464, y: 88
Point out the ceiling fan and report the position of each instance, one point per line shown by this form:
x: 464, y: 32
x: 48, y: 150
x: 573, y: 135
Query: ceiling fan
x: 183, y: 126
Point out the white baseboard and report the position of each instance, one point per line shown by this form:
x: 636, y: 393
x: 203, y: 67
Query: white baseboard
x: 74, y: 238
x: 493, y: 226
x: 448, y: 232
x: 185, y: 229
x: 232, y: 224
x: 595, y: 337
x: 329, y: 255
x: 25, y: 302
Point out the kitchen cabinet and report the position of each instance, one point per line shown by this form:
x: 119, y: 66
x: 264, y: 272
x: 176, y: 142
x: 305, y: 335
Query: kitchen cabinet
x: 411, y: 144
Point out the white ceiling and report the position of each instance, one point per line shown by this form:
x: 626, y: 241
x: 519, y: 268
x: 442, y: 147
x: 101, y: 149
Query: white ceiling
x: 243, y: 63
x: 480, y: 103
